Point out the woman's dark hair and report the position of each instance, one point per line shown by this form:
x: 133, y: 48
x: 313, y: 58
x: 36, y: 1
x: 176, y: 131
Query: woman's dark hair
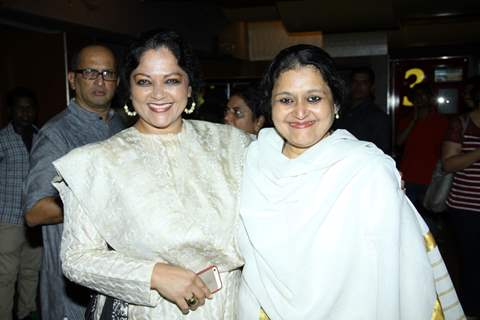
x: 474, y: 91
x: 423, y: 87
x: 475, y: 94
x: 299, y: 56
x: 251, y: 94
x: 162, y: 39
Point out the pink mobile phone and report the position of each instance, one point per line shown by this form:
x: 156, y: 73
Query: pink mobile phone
x: 211, y: 277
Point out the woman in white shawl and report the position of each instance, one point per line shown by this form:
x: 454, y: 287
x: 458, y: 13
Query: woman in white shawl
x: 327, y: 230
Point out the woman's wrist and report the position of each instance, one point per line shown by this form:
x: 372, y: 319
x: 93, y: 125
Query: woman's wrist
x: 156, y: 275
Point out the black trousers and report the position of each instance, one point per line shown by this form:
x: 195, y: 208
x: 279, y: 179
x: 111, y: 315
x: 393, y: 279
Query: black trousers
x: 466, y: 227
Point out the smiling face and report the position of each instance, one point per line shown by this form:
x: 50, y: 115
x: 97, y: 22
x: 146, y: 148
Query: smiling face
x: 159, y: 92
x: 302, y: 109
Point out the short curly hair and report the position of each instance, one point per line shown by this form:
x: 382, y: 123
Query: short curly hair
x: 162, y: 39
x: 17, y: 93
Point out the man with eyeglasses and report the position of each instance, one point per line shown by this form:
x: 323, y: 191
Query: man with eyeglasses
x: 88, y: 118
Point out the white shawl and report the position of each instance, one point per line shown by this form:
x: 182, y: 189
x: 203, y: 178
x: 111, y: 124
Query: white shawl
x: 331, y: 235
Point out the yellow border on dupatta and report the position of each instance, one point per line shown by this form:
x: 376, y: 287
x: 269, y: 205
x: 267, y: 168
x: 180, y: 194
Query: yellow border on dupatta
x: 263, y: 315
x: 437, y: 313
x: 430, y: 243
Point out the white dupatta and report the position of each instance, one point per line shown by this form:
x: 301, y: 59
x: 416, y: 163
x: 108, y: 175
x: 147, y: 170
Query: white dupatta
x: 331, y: 235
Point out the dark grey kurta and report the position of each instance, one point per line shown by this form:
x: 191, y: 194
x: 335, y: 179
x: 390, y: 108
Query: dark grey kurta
x: 72, y: 128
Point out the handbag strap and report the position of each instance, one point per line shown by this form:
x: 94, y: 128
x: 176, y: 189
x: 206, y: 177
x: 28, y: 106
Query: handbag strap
x: 114, y: 309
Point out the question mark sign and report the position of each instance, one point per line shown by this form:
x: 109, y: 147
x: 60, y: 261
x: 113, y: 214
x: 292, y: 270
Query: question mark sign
x: 419, y: 77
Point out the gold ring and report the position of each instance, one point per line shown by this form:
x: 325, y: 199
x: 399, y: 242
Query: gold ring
x: 192, y: 301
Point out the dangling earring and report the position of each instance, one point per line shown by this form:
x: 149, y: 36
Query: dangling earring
x: 191, y: 109
x: 337, y: 116
x: 128, y: 112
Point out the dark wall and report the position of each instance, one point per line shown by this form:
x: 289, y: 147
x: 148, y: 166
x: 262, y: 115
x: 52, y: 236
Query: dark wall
x: 34, y: 60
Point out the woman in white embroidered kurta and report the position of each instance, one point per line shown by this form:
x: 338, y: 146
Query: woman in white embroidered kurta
x: 327, y: 231
x: 162, y: 195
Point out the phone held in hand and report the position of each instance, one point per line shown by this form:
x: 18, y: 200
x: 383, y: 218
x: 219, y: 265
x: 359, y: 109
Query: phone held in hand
x: 211, y: 277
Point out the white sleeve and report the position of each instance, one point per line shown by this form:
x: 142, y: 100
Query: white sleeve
x: 87, y: 260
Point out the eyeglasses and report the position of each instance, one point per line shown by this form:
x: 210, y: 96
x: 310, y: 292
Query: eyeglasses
x: 92, y: 74
x: 237, y: 113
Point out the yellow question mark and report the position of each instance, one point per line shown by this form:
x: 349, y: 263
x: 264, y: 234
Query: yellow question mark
x: 419, y: 77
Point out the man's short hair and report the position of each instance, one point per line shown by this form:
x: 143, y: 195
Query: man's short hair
x: 75, y: 60
x: 364, y: 70
x: 19, y: 92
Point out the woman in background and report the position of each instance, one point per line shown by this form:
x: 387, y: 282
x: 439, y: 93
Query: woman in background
x: 461, y: 155
x: 328, y: 231
x: 150, y: 207
x: 243, y: 110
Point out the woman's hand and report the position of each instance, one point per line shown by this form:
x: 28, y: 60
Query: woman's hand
x: 178, y: 285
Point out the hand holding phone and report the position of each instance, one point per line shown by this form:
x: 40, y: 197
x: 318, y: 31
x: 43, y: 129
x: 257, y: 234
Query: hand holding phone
x: 211, y: 277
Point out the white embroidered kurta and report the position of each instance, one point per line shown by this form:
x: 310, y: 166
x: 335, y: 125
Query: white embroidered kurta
x: 330, y: 235
x: 154, y: 198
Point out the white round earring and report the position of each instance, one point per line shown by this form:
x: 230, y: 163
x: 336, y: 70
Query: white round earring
x: 128, y: 112
x: 191, y: 109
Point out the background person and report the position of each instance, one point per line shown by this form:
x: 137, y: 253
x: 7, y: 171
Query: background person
x: 467, y: 99
x: 328, y: 232
x: 161, y: 194
x: 88, y: 118
x: 421, y: 138
x: 361, y: 116
x: 243, y: 110
x: 461, y: 155
x: 20, y: 247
